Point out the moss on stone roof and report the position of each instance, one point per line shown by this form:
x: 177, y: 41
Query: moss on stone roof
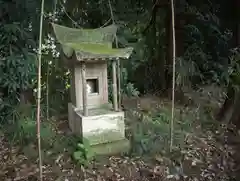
x: 90, y: 43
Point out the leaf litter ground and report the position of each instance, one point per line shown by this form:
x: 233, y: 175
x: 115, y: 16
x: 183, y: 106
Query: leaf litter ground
x: 202, y: 152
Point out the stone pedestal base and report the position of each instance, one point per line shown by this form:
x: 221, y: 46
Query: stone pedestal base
x: 112, y: 148
x: 104, y: 128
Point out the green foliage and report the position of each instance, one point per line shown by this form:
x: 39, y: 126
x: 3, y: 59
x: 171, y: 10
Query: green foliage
x: 232, y: 74
x: 23, y: 129
x: 19, y: 26
x: 83, y: 154
x: 25, y: 132
x: 17, y: 66
x: 58, y: 85
x: 150, y: 134
x: 187, y: 70
x: 206, y: 43
x: 127, y: 88
x: 130, y: 90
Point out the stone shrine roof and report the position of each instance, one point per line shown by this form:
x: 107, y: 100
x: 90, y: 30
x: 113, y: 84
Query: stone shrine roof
x: 90, y: 44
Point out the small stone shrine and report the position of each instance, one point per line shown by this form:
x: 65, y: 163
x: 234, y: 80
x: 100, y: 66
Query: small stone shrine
x: 90, y: 114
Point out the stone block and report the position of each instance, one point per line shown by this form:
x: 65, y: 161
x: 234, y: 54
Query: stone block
x: 101, y: 126
x: 71, y: 116
x: 112, y: 148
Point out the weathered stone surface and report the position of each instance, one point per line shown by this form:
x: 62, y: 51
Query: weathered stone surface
x: 116, y: 147
x: 103, y: 128
x: 96, y: 71
x: 71, y: 116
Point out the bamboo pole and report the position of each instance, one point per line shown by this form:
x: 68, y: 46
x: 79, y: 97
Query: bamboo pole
x: 47, y: 91
x: 173, y: 76
x: 84, y: 89
x: 39, y: 92
x: 114, y: 85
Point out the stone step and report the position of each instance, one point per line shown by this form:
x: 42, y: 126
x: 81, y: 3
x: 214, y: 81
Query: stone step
x: 112, y: 148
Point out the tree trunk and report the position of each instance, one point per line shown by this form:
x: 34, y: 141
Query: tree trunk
x: 235, y: 118
x: 227, y: 105
x: 179, y: 26
x: 169, y: 48
x: 161, y: 56
x: 154, y: 60
x: 236, y: 31
x: 232, y: 101
x: 26, y: 96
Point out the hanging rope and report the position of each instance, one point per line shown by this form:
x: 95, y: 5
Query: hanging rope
x: 76, y: 23
x: 105, y: 24
x: 173, y: 76
x: 113, y: 20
